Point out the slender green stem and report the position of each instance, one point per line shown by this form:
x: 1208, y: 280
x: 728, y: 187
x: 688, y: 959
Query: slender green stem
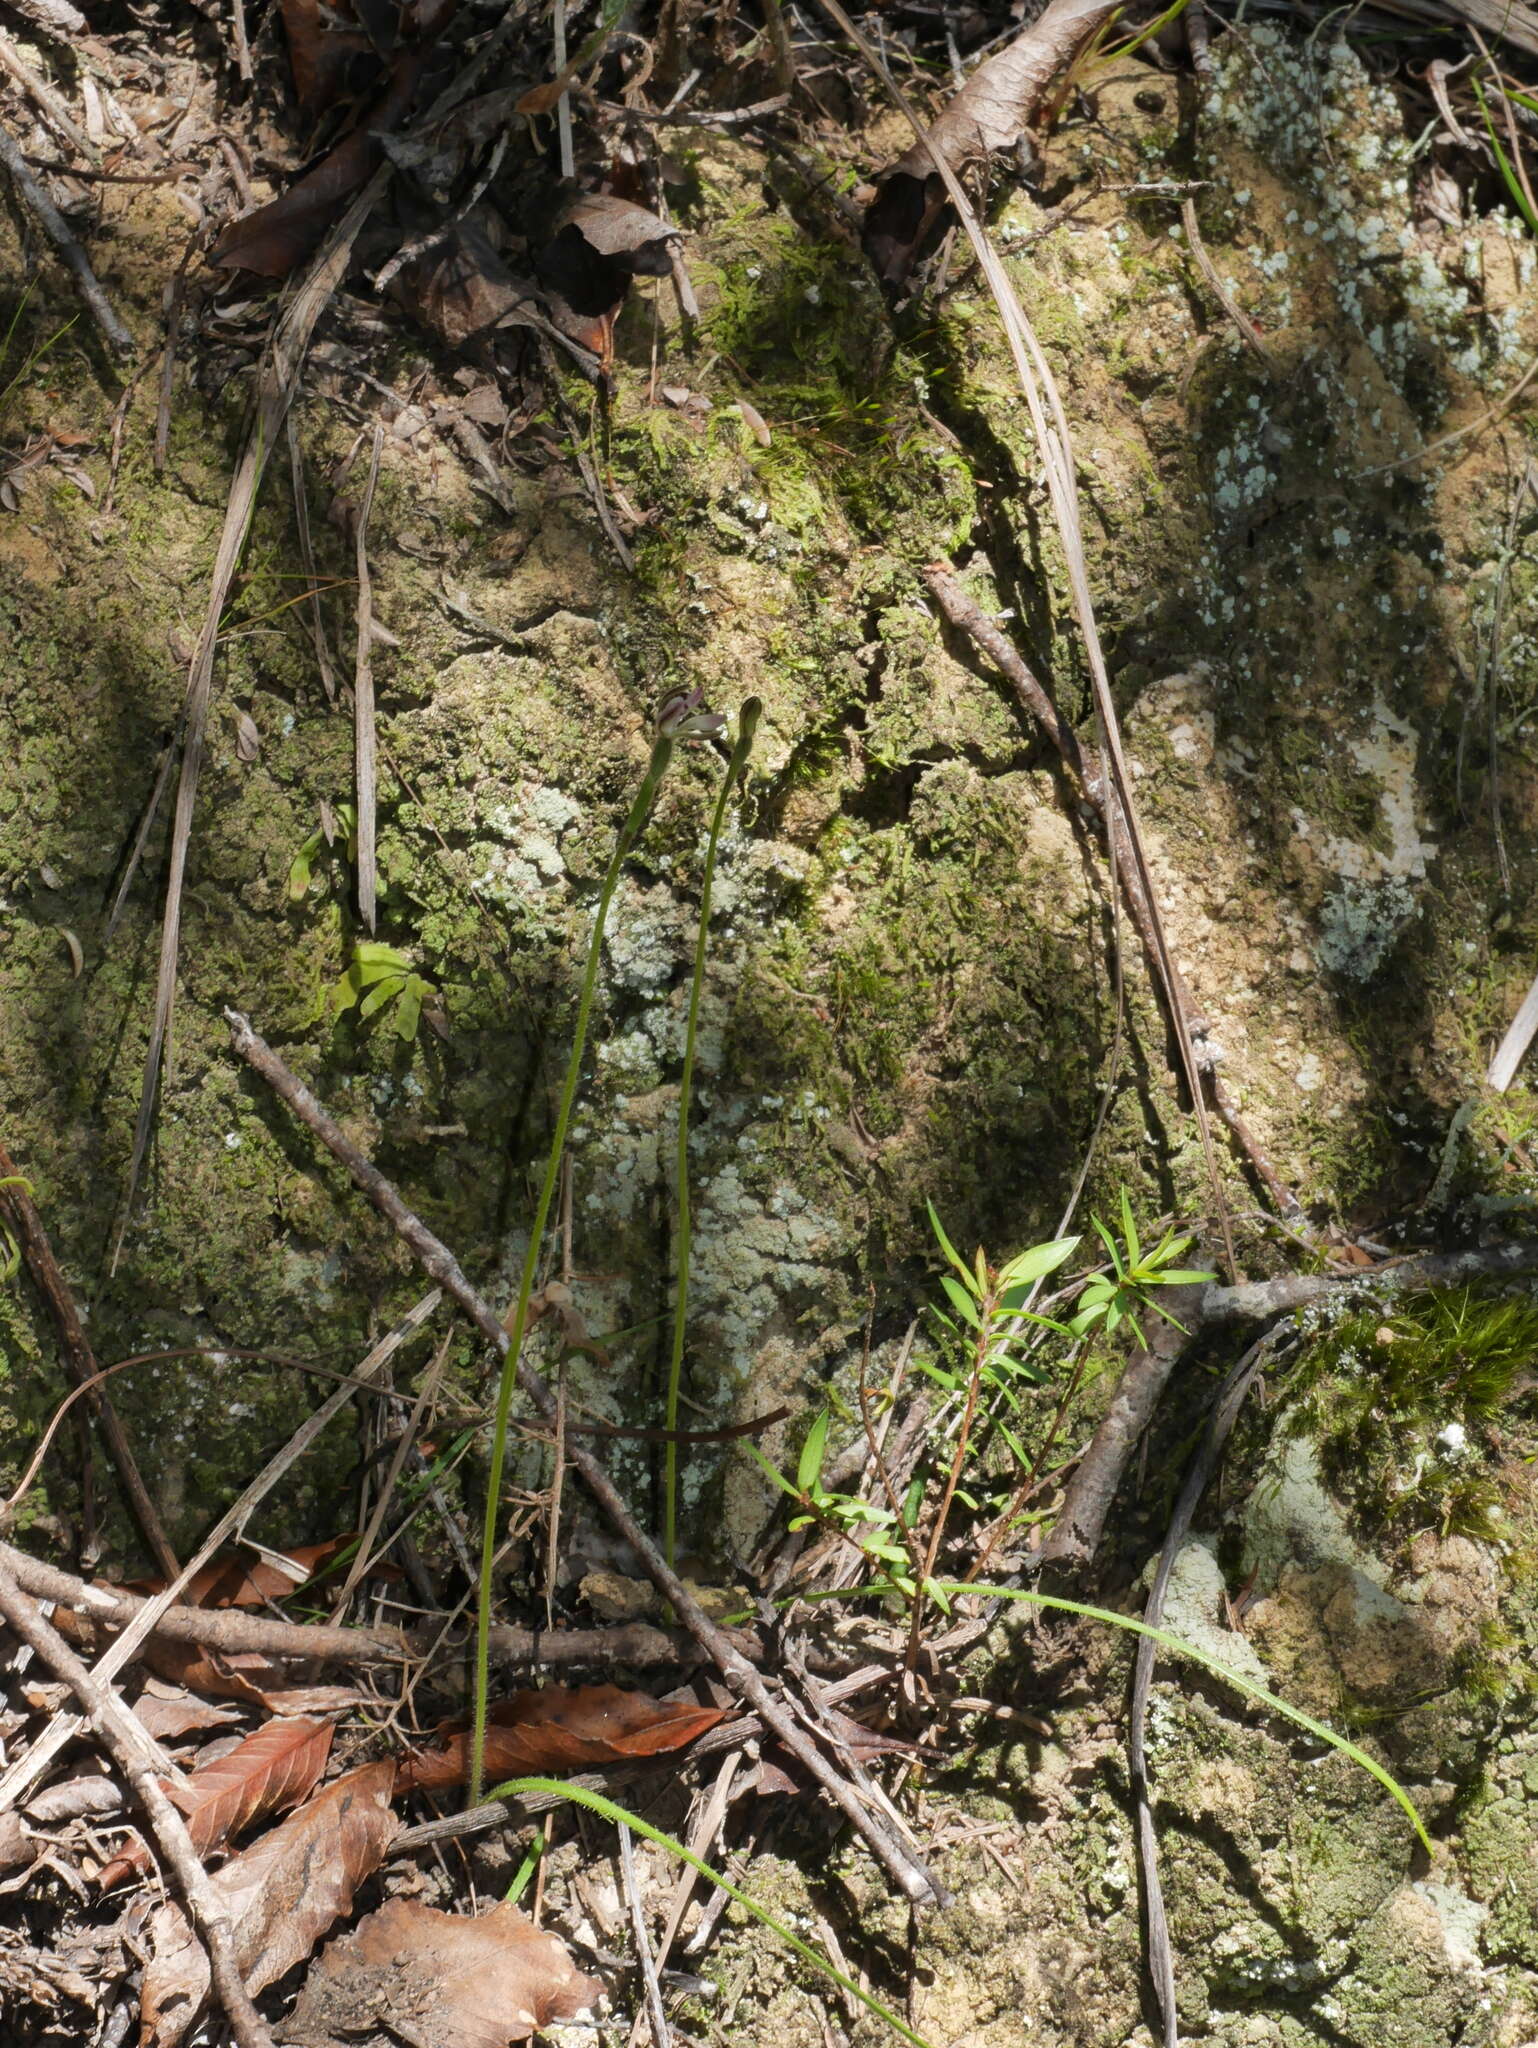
x: 516, y: 1788
x: 1177, y: 1645
x: 662, y: 753
x: 747, y: 723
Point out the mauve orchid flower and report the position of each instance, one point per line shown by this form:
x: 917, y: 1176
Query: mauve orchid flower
x: 682, y: 717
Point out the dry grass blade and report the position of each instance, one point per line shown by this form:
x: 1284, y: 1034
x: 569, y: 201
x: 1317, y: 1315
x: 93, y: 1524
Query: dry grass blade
x: 279, y: 378
x: 365, y: 758
x: 1053, y: 437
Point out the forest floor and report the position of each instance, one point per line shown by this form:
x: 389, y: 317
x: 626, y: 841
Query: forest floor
x: 1322, y: 635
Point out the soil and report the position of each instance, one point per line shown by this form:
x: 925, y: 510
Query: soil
x: 1324, y: 650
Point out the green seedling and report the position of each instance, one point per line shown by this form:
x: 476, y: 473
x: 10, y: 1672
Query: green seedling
x: 10, y: 1248
x: 338, y: 823
x: 1129, y: 1290
x: 383, y: 978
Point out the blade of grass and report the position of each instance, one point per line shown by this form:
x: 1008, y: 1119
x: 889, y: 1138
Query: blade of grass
x: 516, y: 1788
x: 747, y: 724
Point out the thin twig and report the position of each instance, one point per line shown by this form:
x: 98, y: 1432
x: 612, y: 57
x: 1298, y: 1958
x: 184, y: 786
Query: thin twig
x: 122, y: 1735
x: 47, y: 100
x: 968, y: 617
x: 1054, y: 438
x: 1225, y: 298
x: 643, y: 1948
x: 79, y: 1361
x: 230, y: 1629
x: 363, y: 700
x: 65, y: 246
x: 896, y: 1855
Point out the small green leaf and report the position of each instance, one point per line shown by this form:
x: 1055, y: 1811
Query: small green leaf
x: 961, y: 1301
x: 384, y: 990
x: 1129, y: 1230
x: 938, y: 1594
x: 812, y: 1452
x: 950, y: 1250
x: 1035, y: 1263
x: 1183, y: 1276
x: 771, y: 1472
x: 408, y: 1011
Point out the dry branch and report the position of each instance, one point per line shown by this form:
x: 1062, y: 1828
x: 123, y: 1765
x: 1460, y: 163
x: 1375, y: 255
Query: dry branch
x: 65, y: 246
x: 897, y: 1856
x: 968, y: 617
x: 79, y: 1360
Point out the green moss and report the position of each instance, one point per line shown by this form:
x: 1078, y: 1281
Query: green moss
x: 1403, y: 1404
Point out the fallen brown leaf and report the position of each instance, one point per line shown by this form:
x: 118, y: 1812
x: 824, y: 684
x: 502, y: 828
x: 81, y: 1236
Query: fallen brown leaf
x: 281, y: 1895
x: 987, y: 117
x: 271, y: 1769
x: 450, y: 1980
x: 241, y: 1578
x: 560, y: 1729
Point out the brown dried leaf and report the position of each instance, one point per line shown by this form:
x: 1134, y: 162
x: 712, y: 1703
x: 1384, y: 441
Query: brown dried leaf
x: 319, y: 55
x: 453, y: 1981
x: 463, y: 289
x: 243, y: 1675
x: 281, y: 1895
x: 988, y: 116
x: 240, y: 1578
x: 276, y: 1767
x: 166, y: 1715
x: 561, y: 1728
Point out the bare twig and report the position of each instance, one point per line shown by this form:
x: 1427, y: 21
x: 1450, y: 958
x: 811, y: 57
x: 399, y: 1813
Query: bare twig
x: 643, y: 1948
x: 968, y: 617
x: 363, y: 700
x: 79, y: 1363
x: 126, y: 1740
x: 1225, y: 298
x: 47, y: 100
x: 231, y: 1629
x: 897, y: 1856
x: 242, y: 43
x: 65, y: 246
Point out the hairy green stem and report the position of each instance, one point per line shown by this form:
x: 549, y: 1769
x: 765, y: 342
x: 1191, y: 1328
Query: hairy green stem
x: 1176, y: 1645
x: 747, y: 723
x: 579, y: 1795
x: 662, y: 753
